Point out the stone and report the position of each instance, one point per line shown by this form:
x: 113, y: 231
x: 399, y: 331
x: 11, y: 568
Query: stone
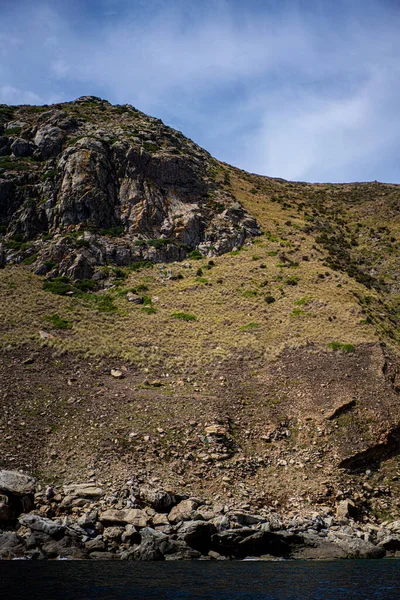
x: 41, y: 524
x: 102, y: 556
x: 354, y: 547
x: 16, y: 483
x: 95, y: 545
x: 134, y: 298
x: 113, y: 533
x: 49, y: 141
x: 117, y: 374
x: 83, y: 490
x: 244, y: 518
x: 390, y: 543
x: 345, y: 509
x: 160, y: 500
x: 89, y: 519
x: 21, y: 148
x: 197, y: 534
x: 11, y: 546
x: 66, y: 547
x: 132, y: 516
x: 182, y: 511
x: 160, y: 519
x: 130, y: 535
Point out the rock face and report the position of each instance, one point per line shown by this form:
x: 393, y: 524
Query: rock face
x: 130, y: 187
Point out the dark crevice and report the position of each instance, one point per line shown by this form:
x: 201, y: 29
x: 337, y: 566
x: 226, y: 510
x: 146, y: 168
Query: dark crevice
x: 372, y: 457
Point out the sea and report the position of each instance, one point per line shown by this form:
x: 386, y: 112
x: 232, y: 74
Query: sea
x: 245, y: 580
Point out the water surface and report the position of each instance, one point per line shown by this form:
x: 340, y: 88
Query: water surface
x: 281, y: 580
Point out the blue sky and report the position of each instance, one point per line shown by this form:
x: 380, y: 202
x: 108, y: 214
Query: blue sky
x: 300, y: 89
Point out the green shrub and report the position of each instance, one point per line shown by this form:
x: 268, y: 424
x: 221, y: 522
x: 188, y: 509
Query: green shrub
x: 293, y: 280
x: 250, y: 326
x: 201, y: 280
x: 298, y: 312
x: 29, y: 260
x: 82, y: 243
x: 103, y: 303
x: 140, y: 264
x: 302, y: 301
x: 141, y: 288
x: 249, y: 293
x: 195, y: 254
x: 150, y: 147
x: 13, y: 131
x: 150, y: 310
x: 119, y: 273
x: 181, y: 316
x: 112, y: 231
x: 347, y: 348
x: 57, y: 322
x: 85, y: 285
x: 59, y: 286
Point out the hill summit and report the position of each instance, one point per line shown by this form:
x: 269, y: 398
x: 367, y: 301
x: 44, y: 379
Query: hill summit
x: 169, y: 318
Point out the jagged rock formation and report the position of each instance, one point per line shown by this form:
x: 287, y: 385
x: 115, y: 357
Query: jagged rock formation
x: 86, y: 183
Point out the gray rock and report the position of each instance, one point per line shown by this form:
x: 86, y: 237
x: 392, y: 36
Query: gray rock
x: 390, y: 543
x: 21, y: 148
x: 345, y: 509
x: 84, y: 490
x: 182, y: 511
x: 11, y: 546
x: 160, y: 500
x: 132, y: 516
x: 113, y: 533
x: 354, y: 547
x: 197, y: 534
x: 16, y: 483
x: 97, y: 544
x: 89, y: 519
x: 49, y: 141
x: 42, y: 524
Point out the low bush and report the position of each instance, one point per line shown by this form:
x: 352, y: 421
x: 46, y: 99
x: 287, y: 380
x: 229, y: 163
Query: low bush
x: 181, y: 316
x: 347, y: 348
x: 57, y: 322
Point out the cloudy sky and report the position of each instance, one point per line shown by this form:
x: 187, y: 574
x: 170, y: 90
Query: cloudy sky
x: 300, y: 89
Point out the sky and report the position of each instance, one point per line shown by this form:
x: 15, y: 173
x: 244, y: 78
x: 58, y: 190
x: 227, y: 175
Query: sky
x: 307, y: 90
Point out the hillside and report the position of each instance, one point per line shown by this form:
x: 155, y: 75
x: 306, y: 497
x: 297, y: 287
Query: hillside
x: 258, y: 356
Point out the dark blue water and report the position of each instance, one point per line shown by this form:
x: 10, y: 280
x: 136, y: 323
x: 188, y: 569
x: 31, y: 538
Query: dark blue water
x: 335, y: 580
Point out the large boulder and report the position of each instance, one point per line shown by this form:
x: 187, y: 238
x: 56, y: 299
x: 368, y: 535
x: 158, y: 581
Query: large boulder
x: 49, y: 141
x: 131, y: 516
x: 160, y: 500
x: 11, y: 546
x: 158, y: 546
x: 183, y: 511
x: 21, y: 148
x: 197, y: 534
x: 16, y: 484
x: 42, y: 524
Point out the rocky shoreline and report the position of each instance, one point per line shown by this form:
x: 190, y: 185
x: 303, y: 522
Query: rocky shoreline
x: 91, y: 521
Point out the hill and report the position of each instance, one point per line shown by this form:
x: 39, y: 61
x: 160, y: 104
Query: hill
x: 257, y: 358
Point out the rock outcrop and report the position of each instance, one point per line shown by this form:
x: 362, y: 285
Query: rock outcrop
x: 87, y: 184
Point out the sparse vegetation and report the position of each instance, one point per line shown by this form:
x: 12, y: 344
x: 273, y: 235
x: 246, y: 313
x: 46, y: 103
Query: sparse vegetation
x: 346, y: 348
x: 181, y: 316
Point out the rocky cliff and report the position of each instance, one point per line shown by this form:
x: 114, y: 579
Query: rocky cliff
x: 86, y: 184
